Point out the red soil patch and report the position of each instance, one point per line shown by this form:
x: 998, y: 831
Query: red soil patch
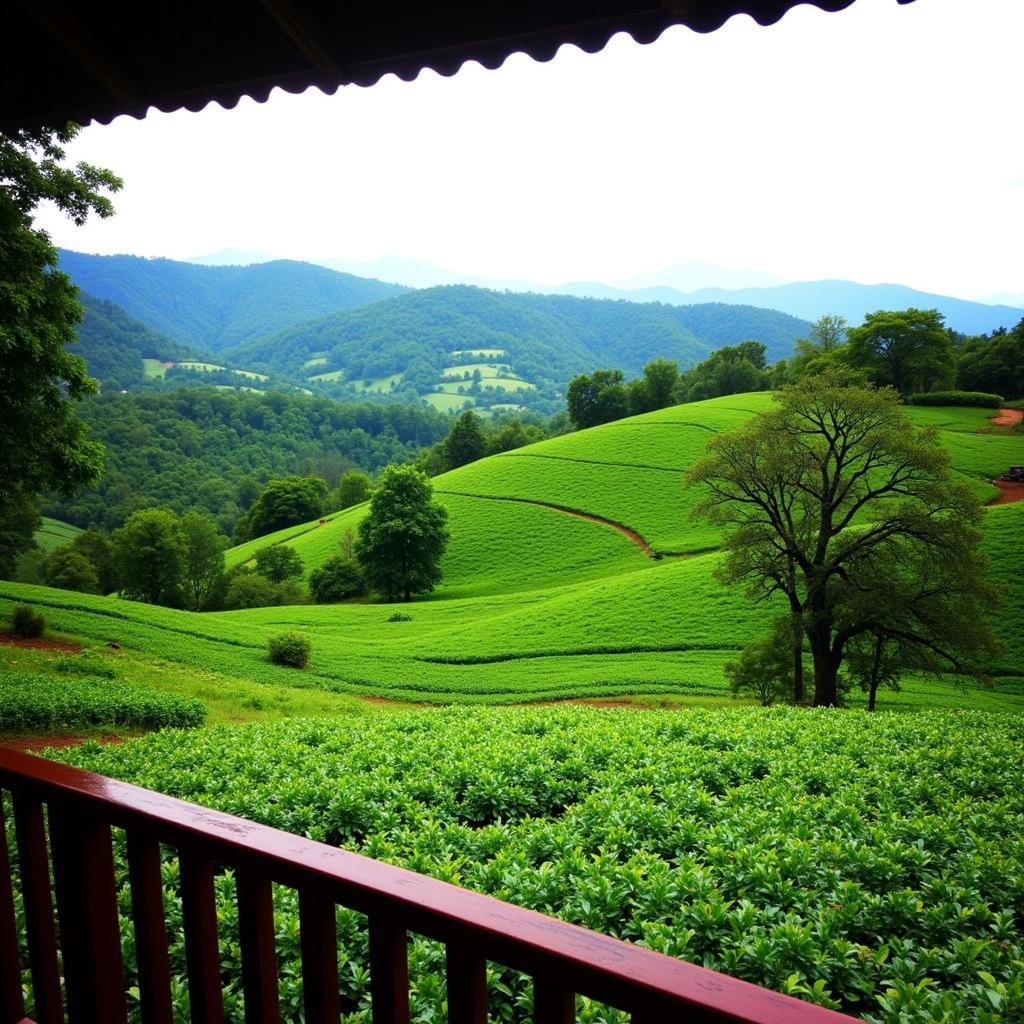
x: 1008, y: 492
x: 39, y: 644
x: 1007, y: 418
x: 33, y: 744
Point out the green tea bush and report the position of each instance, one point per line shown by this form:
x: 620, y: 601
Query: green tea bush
x: 27, y: 622
x: 399, y: 617
x: 979, y: 399
x: 84, y: 665
x: 33, y: 703
x: 868, y: 862
x: 289, y: 649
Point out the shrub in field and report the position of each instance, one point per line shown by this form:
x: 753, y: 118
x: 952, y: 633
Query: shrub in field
x: 289, y: 649
x: 399, y: 617
x: 339, y: 577
x: 83, y: 665
x: 979, y: 399
x: 68, y: 569
x: 250, y: 590
x: 27, y: 622
x: 33, y: 702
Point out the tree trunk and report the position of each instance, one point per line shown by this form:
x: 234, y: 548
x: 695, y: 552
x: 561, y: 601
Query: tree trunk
x: 798, y: 659
x: 826, y: 694
x: 873, y: 686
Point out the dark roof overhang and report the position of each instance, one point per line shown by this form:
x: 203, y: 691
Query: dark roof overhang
x: 91, y: 61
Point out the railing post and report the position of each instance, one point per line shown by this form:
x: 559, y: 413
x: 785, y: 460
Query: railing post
x: 259, y: 957
x: 34, y: 864
x: 12, y: 1003
x: 552, y: 1003
x: 389, y: 972
x: 467, y: 985
x: 318, y: 935
x: 150, y: 929
x: 90, y: 932
x: 202, y: 950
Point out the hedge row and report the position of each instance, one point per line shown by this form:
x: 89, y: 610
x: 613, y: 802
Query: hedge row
x: 978, y: 399
x: 33, y: 702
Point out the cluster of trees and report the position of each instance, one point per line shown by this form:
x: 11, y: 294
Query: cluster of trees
x: 472, y: 438
x: 604, y: 395
x: 914, y: 352
x: 214, y: 450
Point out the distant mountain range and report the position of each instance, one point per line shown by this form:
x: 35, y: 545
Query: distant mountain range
x: 329, y: 332
x: 810, y: 300
x: 213, y: 308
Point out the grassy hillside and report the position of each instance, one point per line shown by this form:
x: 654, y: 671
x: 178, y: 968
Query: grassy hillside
x: 54, y: 534
x: 538, y: 604
x: 215, y: 307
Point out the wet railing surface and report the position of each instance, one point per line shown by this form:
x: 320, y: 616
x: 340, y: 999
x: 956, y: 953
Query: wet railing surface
x: 63, y: 819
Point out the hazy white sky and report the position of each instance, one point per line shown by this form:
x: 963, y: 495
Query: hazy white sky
x: 882, y: 143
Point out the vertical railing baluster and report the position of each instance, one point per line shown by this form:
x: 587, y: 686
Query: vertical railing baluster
x: 552, y: 1003
x: 389, y: 972
x: 202, y: 951
x: 467, y: 985
x: 40, y: 928
x: 318, y: 933
x: 12, y: 1002
x: 150, y: 929
x: 259, y: 957
x: 90, y: 930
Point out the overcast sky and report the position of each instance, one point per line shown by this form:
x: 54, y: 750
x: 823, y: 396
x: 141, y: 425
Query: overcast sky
x: 882, y: 143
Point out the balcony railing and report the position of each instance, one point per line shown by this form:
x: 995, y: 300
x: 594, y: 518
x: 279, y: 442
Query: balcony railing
x: 63, y: 816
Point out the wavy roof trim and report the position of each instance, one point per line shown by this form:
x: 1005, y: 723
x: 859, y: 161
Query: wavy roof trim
x: 92, y: 62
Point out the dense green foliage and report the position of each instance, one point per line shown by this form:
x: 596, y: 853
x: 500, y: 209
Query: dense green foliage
x: 993, y: 363
x: 212, y: 308
x: 43, y: 443
x: 34, y: 702
x: 596, y: 398
x: 149, y: 552
x: 285, y: 501
x: 213, y: 450
x: 336, y: 579
x: 872, y: 864
x: 910, y: 350
x: 19, y: 522
x: 971, y: 399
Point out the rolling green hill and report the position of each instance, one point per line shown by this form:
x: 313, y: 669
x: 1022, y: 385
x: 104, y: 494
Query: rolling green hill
x: 212, y: 308
x: 52, y: 534
x: 538, y: 603
x: 530, y: 346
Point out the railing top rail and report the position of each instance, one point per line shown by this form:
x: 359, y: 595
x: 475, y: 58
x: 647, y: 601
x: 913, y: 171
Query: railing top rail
x: 596, y: 965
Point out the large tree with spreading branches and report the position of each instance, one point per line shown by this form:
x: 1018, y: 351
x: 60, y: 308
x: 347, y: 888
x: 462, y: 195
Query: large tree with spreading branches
x: 835, y: 502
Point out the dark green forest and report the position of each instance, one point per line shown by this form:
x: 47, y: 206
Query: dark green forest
x: 212, y: 450
x: 213, y: 308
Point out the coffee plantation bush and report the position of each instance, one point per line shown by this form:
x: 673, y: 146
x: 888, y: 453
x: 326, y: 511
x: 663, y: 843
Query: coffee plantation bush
x: 33, y: 702
x: 874, y: 863
x: 289, y: 649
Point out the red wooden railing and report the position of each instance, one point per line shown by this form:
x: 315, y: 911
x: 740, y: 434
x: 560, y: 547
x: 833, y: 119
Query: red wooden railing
x: 64, y: 816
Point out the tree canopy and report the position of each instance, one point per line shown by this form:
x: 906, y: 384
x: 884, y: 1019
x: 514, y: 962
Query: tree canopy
x: 401, y: 541
x: 43, y: 444
x: 834, y: 501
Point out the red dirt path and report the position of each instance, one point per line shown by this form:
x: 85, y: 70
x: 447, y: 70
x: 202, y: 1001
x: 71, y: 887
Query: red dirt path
x: 1008, y: 492
x: 39, y: 644
x: 33, y: 744
x: 1007, y: 418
